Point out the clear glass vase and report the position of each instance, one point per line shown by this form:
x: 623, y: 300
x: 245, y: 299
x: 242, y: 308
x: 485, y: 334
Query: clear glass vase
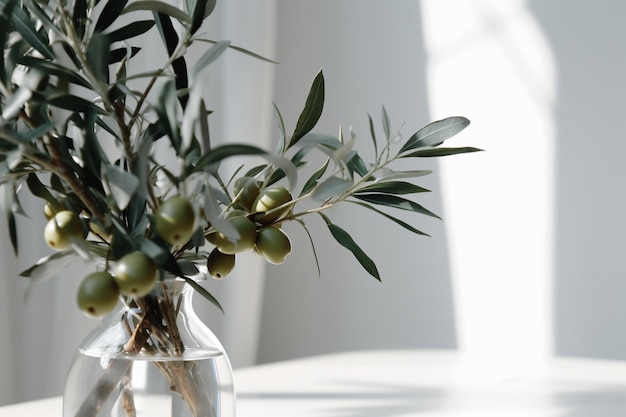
x: 154, y: 358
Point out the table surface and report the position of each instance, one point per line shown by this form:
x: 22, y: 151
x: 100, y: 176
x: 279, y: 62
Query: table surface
x: 416, y: 383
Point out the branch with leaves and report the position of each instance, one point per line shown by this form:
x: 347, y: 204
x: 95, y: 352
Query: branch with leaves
x: 78, y: 128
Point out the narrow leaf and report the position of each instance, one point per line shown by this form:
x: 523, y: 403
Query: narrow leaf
x: 79, y: 17
x: 357, y: 164
x: 203, y: 292
x: 199, y: 14
x: 74, y: 103
x: 209, y: 56
x: 116, y: 55
x: 312, y: 110
x: 219, y: 153
x: 122, y: 184
x: 111, y: 11
x: 435, y: 133
x: 47, y: 268
x: 390, y: 175
x: 27, y: 29
x: 373, y: 135
x: 312, y: 181
x: 36, y: 187
x: 345, y: 240
x: 436, y: 152
x: 170, y: 38
x: 331, y: 187
x: 98, y: 56
x: 306, y: 229
x: 12, y: 231
x: 281, y: 127
x: 131, y: 30
x: 54, y: 69
x: 386, y: 123
x: 160, y: 7
x: 394, y: 219
x: 392, y: 187
x: 167, y: 112
x: 395, y: 202
x: 33, y: 7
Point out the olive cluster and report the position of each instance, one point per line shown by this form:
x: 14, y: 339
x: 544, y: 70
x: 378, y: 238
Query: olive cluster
x: 135, y: 274
x: 255, y: 217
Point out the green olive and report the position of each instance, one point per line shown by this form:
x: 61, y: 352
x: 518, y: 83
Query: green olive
x: 269, y: 199
x: 236, y: 213
x: 61, y: 228
x: 273, y: 244
x: 97, y: 294
x: 135, y: 274
x: 220, y: 264
x: 175, y: 220
x: 246, y: 191
x: 247, y: 236
x: 48, y: 211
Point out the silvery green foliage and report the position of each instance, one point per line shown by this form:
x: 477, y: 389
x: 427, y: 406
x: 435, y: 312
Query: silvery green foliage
x: 78, y: 124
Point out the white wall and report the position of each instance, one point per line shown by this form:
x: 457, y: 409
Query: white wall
x: 372, y: 55
x: 529, y: 258
x: 590, y: 267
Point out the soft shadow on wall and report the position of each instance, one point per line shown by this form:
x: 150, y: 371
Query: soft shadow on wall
x: 590, y: 267
x: 371, y: 55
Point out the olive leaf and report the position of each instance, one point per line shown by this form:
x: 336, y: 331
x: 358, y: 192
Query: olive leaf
x: 55, y: 69
x: 79, y: 17
x: 46, y: 268
x: 392, y: 187
x: 386, y: 123
x: 36, y: 187
x: 202, y: 8
x: 122, y: 185
x: 312, y: 110
x: 116, y: 55
x: 74, y: 103
x: 35, y: 38
x: 131, y: 30
x: 373, y: 135
x: 392, y: 218
x: 222, y: 152
x: 171, y: 40
x: 98, y: 56
x: 437, y: 152
x: 332, y: 186
x: 395, y: 202
x: 313, y: 179
x: 344, y: 239
x: 435, y: 133
x: 160, y: 7
x: 203, y: 292
x: 111, y: 11
x: 308, y: 233
x: 209, y: 56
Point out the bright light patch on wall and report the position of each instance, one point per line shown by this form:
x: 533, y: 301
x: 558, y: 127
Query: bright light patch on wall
x: 489, y: 61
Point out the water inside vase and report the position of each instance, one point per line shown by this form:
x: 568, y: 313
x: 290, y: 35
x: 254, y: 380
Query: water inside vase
x: 196, y: 384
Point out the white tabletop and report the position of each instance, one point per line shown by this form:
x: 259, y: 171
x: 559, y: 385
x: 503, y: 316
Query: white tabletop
x: 416, y: 383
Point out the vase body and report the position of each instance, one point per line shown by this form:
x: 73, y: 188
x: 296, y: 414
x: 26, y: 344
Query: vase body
x: 154, y: 358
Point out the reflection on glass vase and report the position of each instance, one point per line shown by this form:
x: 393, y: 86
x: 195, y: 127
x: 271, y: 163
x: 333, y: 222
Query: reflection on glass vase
x: 154, y: 358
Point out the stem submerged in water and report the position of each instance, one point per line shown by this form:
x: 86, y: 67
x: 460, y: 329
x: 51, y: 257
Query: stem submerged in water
x: 153, y: 331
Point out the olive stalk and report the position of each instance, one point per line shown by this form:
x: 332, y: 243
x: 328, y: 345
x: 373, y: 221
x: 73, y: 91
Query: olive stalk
x: 154, y: 332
